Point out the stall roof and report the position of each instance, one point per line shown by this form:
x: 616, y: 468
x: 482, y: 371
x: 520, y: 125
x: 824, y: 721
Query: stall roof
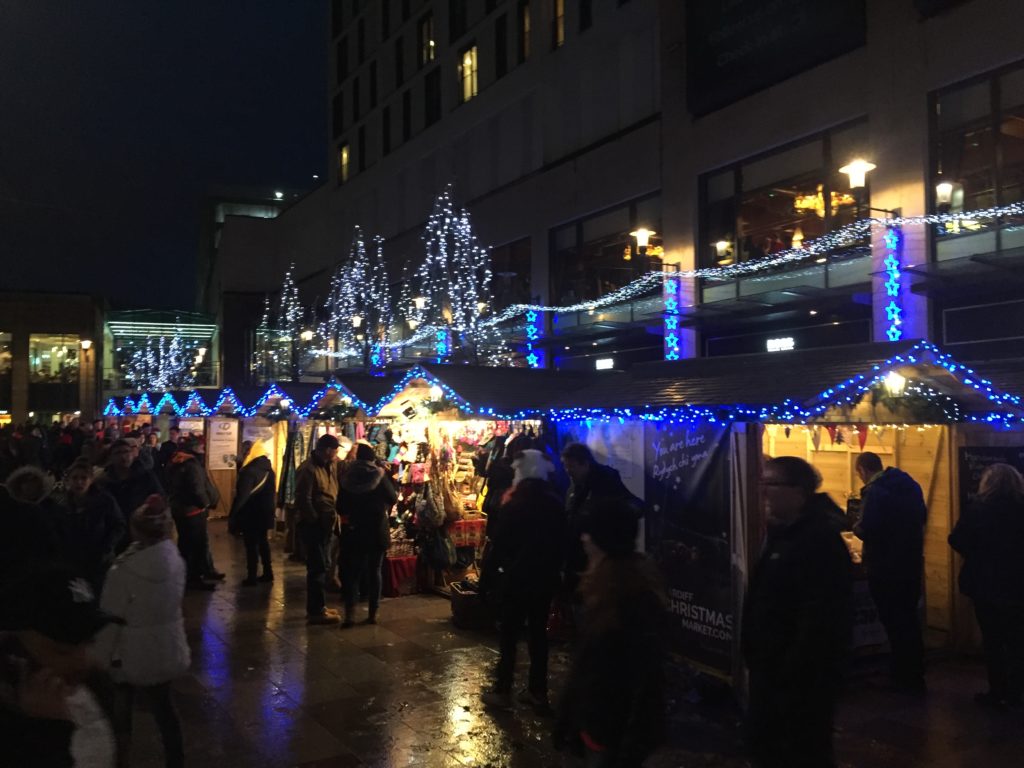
x: 495, y: 391
x: 801, y: 383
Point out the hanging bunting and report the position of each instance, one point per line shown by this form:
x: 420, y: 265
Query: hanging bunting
x: 832, y: 432
x: 816, y: 438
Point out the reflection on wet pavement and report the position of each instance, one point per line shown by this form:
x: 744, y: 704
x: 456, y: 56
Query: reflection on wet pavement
x: 266, y: 690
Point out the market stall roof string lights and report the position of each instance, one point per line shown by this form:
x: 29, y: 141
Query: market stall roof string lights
x: 1002, y: 408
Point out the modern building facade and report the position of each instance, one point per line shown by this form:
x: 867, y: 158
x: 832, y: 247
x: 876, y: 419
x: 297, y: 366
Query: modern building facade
x: 722, y: 127
x: 50, y: 345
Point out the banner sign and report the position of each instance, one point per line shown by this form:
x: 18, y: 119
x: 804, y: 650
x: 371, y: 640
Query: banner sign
x: 222, y: 444
x: 973, y: 462
x: 688, y: 501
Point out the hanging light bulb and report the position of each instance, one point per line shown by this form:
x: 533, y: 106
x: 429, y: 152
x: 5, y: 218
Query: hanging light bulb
x: 420, y: 302
x: 357, y: 320
x: 413, y: 323
x: 798, y: 238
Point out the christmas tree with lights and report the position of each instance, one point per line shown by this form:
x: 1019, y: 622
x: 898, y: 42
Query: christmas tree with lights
x: 453, y: 289
x: 160, y: 366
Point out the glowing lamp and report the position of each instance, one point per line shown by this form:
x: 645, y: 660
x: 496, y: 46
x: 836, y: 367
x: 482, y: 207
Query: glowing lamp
x: 285, y: 403
x: 420, y: 302
x: 86, y: 344
x: 944, y: 193
x: 202, y: 351
x: 436, y: 393
x: 306, y: 335
x: 357, y: 320
x: 895, y: 383
x: 857, y: 170
x: 413, y: 323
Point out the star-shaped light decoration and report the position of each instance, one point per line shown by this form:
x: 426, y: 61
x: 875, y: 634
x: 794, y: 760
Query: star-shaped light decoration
x: 532, y: 359
x: 531, y: 316
x: 893, y: 311
x: 671, y: 305
x: 672, y: 340
x: 671, y: 323
x: 894, y: 333
x: 892, y: 264
x: 892, y: 240
x: 892, y: 286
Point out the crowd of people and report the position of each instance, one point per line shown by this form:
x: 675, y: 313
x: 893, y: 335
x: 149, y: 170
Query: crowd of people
x: 92, y: 581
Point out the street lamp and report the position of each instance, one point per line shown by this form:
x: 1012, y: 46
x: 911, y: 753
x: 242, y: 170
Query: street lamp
x: 895, y: 383
x: 642, y: 235
x: 306, y: 335
x: 723, y: 253
x: 858, y: 170
x: 413, y: 323
x: 420, y: 302
x: 357, y: 320
x: 86, y: 344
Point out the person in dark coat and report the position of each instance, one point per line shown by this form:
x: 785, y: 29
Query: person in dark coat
x: 366, y: 495
x: 192, y: 495
x: 128, y: 483
x: 167, y: 449
x: 893, y: 516
x: 500, y: 477
x: 612, y: 709
x: 526, y: 560
x: 89, y: 525
x: 796, y: 623
x: 590, y: 482
x: 990, y: 537
x: 316, y: 505
x: 252, y: 513
x: 28, y: 521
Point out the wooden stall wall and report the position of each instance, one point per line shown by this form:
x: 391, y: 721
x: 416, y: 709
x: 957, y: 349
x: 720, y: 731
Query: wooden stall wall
x: 925, y: 453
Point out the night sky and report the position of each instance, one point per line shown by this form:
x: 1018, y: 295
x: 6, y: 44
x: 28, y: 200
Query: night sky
x: 116, y: 117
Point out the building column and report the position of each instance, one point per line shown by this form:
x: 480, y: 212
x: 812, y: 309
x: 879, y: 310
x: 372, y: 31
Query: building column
x: 897, y: 313
x: 19, y: 376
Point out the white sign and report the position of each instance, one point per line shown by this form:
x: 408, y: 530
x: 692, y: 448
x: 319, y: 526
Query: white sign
x: 222, y: 444
x: 191, y: 426
x: 783, y: 344
x: 604, y: 363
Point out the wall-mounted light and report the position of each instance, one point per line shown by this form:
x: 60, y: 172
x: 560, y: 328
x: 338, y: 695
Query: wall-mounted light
x: 86, y: 344
x: 782, y: 344
x: 436, y: 393
x: 285, y: 403
x: 858, y: 170
x: 420, y: 302
x: 895, y: 383
x: 798, y: 238
x: 412, y: 323
x: 481, y: 306
x: 357, y: 320
x: 642, y: 235
x: 723, y: 252
x: 944, y: 193
x: 604, y: 363
x: 202, y: 351
x: 306, y: 335
x: 278, y: 195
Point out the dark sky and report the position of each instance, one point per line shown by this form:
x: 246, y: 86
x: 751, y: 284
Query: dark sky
x: 116, y: 117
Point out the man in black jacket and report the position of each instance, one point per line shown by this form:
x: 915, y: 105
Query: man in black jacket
x: 128, y: 483
x: 893, y: 516
x: 192, y: 496
x: 591, y: 483
x: 796, y: 623
x: 365, y: 498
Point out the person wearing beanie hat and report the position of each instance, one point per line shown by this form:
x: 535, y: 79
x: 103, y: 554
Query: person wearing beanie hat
x: 612, y: 706
x: 365, y: 497
x: 192, y: 495
x: 521, y: 575
x: 50, y: 690
x: 144, y: 588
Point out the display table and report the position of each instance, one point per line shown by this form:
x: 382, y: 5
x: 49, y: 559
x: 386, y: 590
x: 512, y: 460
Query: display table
x: 399, y: 577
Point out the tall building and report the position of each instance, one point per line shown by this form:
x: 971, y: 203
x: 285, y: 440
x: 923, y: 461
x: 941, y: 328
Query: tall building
x: 732, y: 130
x: 544, y: 115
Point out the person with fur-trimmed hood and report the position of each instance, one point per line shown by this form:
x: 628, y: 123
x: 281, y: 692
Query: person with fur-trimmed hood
x: 365, y: 498
x: 27, y: 514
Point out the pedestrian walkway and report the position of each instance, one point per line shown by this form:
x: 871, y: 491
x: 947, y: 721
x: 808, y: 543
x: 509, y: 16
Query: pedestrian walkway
x: 266, y: 690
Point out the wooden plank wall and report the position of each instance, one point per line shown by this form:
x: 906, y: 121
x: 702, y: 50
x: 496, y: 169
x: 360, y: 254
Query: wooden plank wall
x: 925, y: 454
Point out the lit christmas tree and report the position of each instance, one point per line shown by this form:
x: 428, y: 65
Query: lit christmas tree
x: 162, y: 366
x: 453, y: 289
x: 358, y: 313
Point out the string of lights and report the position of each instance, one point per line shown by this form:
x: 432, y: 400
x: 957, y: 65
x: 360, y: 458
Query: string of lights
x: 893, y: 284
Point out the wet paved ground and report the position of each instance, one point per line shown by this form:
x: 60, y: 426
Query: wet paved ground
x: 266, y: 690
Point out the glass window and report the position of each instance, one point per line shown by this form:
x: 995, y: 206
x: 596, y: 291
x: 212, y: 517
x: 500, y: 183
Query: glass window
x: 597, y: 255
x: 399, y: 63
x: 500, y: 46
x: 425, y: 36
x: 5, y: 353
x: 457, y: 19
x: 343, y: 163
x: 361, y: 41
x: 53, y: 358
x: 586, y: 15
x: 978, y: 155
x: 558, y: 24
x: 385, y: 19
x: 385, y: 132
x: 510, y: 265
x: 432, y: 97
x: 361, y: 139
x: 776, y: 202
x: 338, y: 113
x: 467, y: 74
x: 355, y: 99
x: 341, y: 63
x: 524, y: 31
x: 373, y: 84
x: 406, y: 115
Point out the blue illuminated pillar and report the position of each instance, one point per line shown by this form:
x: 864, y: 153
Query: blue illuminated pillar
x: 442, y: 343
x: 672, y: 296
x: 534, y: 330
x: 894, y: 289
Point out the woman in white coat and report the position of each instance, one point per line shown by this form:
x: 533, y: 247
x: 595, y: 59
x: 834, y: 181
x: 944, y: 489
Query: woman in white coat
x: 145, y: 588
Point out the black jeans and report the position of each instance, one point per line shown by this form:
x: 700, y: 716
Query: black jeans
x: 896, y: 601
x: 789, y: 725
x: 358, y: 566
x: 160, y: 702
x: 257, y: 547
x: 314, y: 540
x: 194, y: 544
x: 1002, y: 636
x: 533, y: 610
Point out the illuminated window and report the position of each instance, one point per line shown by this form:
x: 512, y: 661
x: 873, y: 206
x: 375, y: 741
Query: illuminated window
x: 467, y: 74
x: 428, y: 46
x: 558, y: 24
x: 53, y: 357
x: 343, y: 163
